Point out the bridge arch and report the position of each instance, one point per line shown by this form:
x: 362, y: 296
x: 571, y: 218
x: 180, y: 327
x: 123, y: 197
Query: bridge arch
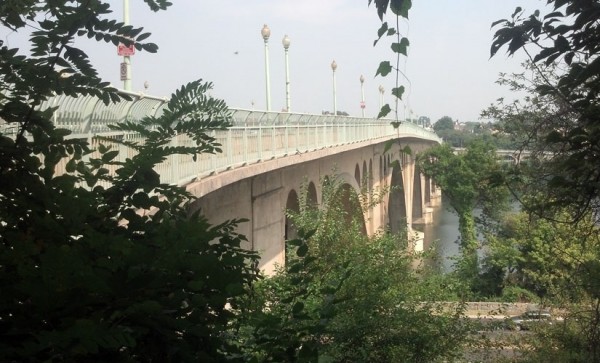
x: 312, y: 200
x: 396, y: 202
x: 292, y: 205
x: 346, y: 194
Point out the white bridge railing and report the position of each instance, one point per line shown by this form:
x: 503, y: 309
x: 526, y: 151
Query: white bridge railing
x: 254, y: 137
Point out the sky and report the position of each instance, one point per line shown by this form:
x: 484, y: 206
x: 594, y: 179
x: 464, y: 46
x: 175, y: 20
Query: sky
x: 448, y: 71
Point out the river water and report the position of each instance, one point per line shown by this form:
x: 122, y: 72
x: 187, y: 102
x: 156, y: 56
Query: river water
x: 442, y: 233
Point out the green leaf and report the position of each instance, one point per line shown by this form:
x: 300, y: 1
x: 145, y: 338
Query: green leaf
x: 561, y: 44
x: 388, y: 145
x: 382, y: 30
x: 401, y: 7
x: 141, y: 200
x: 302, y: 250
x: 108, y: 156
x: 70, y: 167
x: 384, y: 69
x: 398, y: 92
x: 401, y: 47
x: 297, y: 308
x: 518, y: 10
x: 142, y: 37
x: 381, y: 6
x: 385, y: 110
x: 498, y: 22
x: 295, y: 268
x: 150, y: 47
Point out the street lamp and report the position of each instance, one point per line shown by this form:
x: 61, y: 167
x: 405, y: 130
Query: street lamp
x: 286, y: 45
x: 362, y: 94
x: 381, y: 90
x: 333, y: 68
x: 126, y: 72
x: 266, y: 33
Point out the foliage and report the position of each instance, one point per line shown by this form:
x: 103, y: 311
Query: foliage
x: 346, y: 297
x: 399, y: 47
x: 468, y: 180
x: 566, y: 133
x: 559, y: 263
x: 445, y: 123
x: 463, y: 134
x: 559, y: 119
x: 96, y: 265
x: 424, y: 121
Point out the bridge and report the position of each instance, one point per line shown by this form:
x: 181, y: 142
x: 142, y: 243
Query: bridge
x: 268, y: 156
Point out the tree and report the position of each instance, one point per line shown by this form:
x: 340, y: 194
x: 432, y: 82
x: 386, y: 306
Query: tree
x: 548, y: 259
x: 469, y: 181
x: 424, y: 121
x: 559, y: 119
x: 566, y: 134
x: 86, y: 277
x: 445, y: 123
x: 345, y: 297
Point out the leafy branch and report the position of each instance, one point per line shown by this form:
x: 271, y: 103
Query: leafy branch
x: 399, y: 47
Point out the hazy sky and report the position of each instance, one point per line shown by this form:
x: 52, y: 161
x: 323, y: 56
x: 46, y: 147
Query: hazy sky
x: 448, y: 68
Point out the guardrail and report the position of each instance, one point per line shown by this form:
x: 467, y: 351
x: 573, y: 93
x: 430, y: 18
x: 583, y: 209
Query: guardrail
x: 254, y: 137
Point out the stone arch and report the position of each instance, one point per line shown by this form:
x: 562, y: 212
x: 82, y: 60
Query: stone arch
x: 397, y: 203
x: 311, y: 195
x: 292, y: 205
x: 351, y: 206
x: 357, y: 174
x: 350, y: 180
x: 347, y: 189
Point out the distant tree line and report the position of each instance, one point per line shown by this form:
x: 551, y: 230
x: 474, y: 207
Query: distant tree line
x: 461, y: 134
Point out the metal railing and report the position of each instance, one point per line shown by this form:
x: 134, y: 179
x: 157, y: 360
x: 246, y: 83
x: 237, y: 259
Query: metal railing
x: 254, y: 137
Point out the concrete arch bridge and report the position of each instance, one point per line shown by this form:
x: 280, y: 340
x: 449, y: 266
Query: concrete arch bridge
x: 266, y: 158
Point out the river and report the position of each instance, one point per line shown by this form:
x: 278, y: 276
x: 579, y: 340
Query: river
x: 443, y: 232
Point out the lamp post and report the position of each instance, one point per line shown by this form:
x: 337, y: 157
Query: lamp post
x: 381, y: 90
x: 266, y: 33
x: 333, y: 68
x: 286, y: 45
x: 126, y: 73
x: 362, y: 94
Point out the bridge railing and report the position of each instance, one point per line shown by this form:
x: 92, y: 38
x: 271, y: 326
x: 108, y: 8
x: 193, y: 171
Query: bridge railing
x: 255, y: 136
